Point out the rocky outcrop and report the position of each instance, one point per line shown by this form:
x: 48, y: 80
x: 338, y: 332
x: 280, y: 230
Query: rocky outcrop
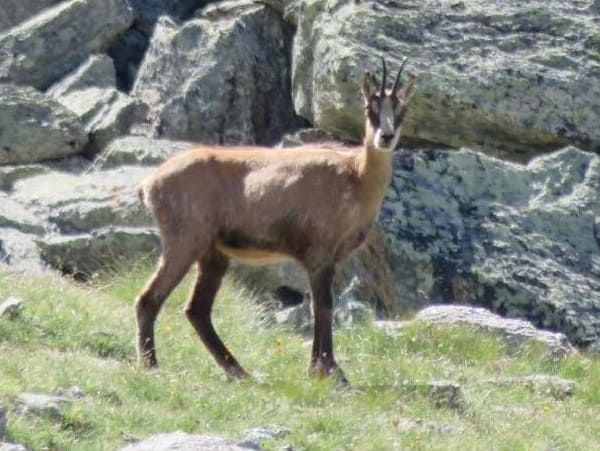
x: 513, y: 78
x: 35, y: 128
x: 196, y: 94
x: 468, y: 228
x: 42, y: 50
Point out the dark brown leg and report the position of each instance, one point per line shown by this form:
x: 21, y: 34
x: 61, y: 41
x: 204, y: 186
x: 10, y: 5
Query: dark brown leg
x: 168, y: 274
x: 211, y: 270
x: 322, y: 359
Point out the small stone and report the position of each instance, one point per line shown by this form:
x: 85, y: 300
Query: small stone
x: 298, y: 318
x: 271, y: 432
x: 11, y: 308
x: 445, y: 394
x: 420, y: 424
x: 41, y: 404
x: 188, y: 442
x: 442, y: 393
x: 73, y: 392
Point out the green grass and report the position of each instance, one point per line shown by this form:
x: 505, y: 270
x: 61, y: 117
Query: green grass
x: 71, y: 334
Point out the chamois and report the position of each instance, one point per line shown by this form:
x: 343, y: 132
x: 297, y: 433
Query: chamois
x: 314, y: 204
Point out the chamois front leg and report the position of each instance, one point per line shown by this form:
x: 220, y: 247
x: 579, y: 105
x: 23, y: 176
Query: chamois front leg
x: 211, y: 269
x: 322, y: 360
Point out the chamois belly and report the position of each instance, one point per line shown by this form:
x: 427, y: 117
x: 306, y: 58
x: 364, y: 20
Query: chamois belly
x: 253, y: 250
x: 253, y: 256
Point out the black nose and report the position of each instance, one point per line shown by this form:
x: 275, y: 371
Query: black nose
x: 387, y: 137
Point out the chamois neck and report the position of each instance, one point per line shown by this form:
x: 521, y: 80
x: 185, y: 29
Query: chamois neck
x: 373, y: 160
x: 375, y: 169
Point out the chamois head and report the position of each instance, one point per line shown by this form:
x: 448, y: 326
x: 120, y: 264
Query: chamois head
x: 385, y: 109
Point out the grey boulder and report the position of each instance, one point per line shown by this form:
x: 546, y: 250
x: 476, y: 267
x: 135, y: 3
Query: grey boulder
x: 40, y: 51
x: 78, y: 203
x: 34, y: 127
x: 105, y: 112
x: 85, y: 254
x: 197, y: 94
x: 511, y: 78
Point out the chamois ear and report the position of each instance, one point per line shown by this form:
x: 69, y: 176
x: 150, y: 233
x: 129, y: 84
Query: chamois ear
x: 406, y: 92
x: 369, y: 87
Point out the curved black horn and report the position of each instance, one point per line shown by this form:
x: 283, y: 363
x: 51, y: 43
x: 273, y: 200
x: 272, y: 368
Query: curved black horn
x: 397, y: 82
x: 383, y: 79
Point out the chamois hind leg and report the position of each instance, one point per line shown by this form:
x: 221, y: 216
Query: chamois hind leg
x: 322, y: 359
x: 211, y: 269
x: 172, y: 267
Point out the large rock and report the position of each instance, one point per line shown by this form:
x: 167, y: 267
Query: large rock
x: 468, y: 228
x: 138, y: 150
x: 97, y: 71
x: 34, y: 127
x: 105, y: 112
x: 129, y: 50
x: 86, y: 254
x: 40, y: 51
x: 91, y: 220
x: 14, y: 12
x: 76, y: 203
x: 197, y: 94
x: 515, y: 78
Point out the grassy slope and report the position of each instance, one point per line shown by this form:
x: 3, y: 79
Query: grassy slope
x: 72, y: 335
